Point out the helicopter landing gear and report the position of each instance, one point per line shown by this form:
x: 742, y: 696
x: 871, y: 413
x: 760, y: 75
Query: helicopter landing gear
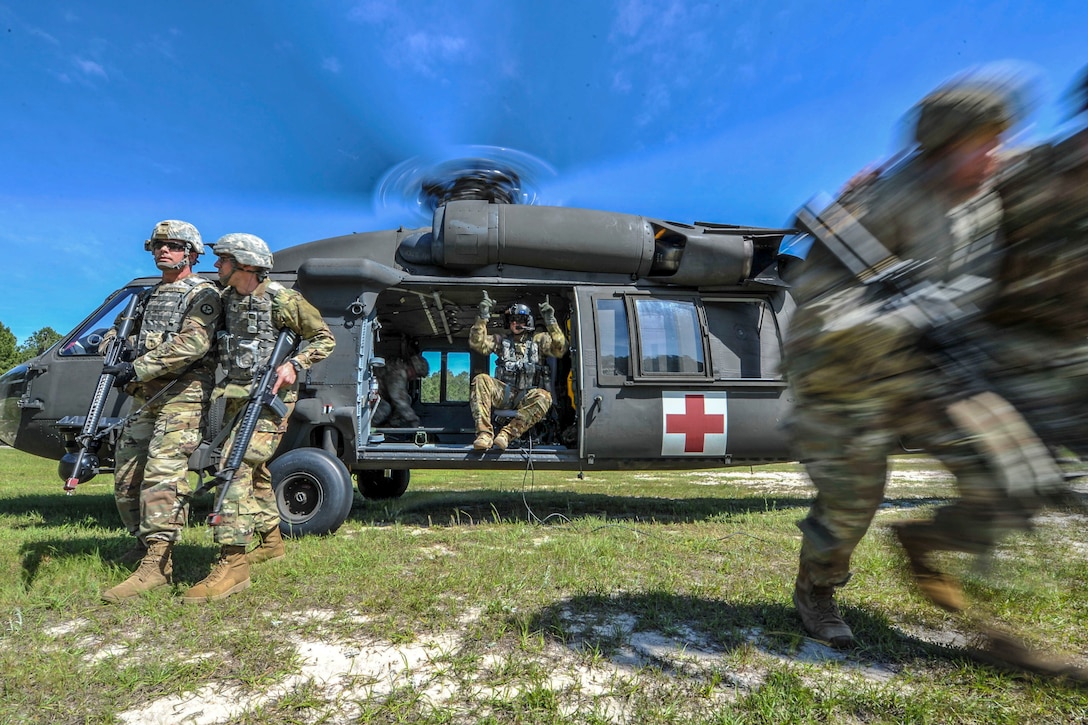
x: 377, y: 484
x: 313, y: 491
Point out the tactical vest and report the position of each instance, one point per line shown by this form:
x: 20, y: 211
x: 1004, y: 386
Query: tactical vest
x: 523, y: 371
x: 246, y: 344
x: 164, y: 311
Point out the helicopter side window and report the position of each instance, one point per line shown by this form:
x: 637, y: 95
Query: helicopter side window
x: 615, y: 343
x: 84, y: 340
x: 449, y: 378
x: 670, y: 337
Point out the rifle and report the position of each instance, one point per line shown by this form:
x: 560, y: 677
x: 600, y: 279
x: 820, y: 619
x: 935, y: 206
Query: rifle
x: 85, y: 461
x: 260, y: 395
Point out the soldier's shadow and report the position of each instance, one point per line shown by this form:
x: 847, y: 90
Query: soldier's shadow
x: 191, y: 561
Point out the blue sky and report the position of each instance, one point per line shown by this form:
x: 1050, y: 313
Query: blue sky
x: 279, y: 118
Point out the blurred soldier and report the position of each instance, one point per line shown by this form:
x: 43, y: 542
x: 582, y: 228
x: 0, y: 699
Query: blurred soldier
x: 855, y: 367
x: 395, y: 408
x: 1032, y: 341
x: 169, y: 380
x: 255, y: 309
x: 521, y: 372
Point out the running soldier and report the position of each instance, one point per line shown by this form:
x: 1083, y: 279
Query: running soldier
x: 860, y: 377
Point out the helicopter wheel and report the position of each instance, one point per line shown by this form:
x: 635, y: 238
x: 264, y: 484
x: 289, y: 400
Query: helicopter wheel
x: 374, y: 484
x: 313, y: 491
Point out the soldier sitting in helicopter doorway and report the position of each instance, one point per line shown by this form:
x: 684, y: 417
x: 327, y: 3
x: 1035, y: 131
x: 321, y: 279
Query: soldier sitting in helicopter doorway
x: 521, y: 373
x: 395, y: 407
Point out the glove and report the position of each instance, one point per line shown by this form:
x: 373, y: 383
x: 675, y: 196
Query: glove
x: 485, y: 307
x: 123, y: 373
x: 547, y: 312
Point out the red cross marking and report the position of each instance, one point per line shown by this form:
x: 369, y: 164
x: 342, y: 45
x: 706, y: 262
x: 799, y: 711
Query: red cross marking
x: 694, y: 423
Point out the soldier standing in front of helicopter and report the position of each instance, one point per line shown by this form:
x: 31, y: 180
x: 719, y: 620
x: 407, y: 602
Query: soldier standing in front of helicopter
x: 170, y: 379
x: 860, y: 378
x: 255, y: 309
x: 521, y: 372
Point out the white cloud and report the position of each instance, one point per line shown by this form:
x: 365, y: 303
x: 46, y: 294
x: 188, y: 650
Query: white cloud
x: 91, y: 68
x: 44, y: 36
x: 332, y: 65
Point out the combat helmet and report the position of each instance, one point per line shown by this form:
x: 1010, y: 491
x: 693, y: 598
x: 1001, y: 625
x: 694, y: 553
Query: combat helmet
x: 176, y: 231
x: 518, y: 310
x: 248, y: 249
x: 419, y: 364
x: 996, y: 96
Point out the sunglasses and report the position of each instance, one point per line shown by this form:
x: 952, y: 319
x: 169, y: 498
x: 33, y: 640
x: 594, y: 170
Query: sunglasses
x: 172, y: 246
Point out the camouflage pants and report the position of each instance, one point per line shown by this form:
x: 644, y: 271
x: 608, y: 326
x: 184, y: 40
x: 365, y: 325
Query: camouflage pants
x: 151, y: 484
x: 844, y: 445
x: 487, y: 394
x: 250, y: 505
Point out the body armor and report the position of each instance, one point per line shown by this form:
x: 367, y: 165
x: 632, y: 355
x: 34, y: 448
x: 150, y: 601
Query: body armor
x: 523, y: 370
x: 246, y: 343
x: 164, y: 311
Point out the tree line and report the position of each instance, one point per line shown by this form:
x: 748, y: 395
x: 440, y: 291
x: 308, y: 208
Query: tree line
x: 12, y: 353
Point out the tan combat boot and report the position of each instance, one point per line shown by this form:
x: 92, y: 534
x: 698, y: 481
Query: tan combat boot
x: 155, y: 571
x: 485, y: 434
x: 230, y: 575
x: 134, y: 555
x: 271, y: 548
x: 820, y: 614
x: 510, y: 432
x: 918, y: 541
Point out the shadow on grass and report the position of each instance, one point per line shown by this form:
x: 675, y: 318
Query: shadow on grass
x: 644, y: 629
x: 191, y: 562
x: 476, y: 506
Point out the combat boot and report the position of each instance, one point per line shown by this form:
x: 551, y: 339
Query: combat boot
x: 918, y: 540
x: 230, y: 575
x: 134, y: 555
x: 155, y: 570
x: 271, y: 548
x: 820, y: 614
x: 485, y: 434
x: 510, y: 432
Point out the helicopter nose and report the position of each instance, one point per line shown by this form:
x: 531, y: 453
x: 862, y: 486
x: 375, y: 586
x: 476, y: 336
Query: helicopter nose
x: 12, y: 387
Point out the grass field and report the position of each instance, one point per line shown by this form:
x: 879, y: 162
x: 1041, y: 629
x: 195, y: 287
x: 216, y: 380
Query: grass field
x: 513, y: 597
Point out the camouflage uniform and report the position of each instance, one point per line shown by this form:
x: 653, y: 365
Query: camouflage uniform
x: 153, y: 451
x: 169, y: 381
x: 252, y: 323
x: 861, y: 379
x: 519, y: 372
x: 395, y: 407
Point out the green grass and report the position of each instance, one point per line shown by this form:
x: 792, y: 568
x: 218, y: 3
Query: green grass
x: 503, y: 597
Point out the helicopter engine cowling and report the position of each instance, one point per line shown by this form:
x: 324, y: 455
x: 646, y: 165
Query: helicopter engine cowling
x: 474, y: 234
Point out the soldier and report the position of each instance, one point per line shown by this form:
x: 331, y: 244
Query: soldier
x: 255, y: 309
x: 521, y: 373
x: 859, y: 377
x: 395, y: 407
x: 169, y: 380
x: 1031, y: 341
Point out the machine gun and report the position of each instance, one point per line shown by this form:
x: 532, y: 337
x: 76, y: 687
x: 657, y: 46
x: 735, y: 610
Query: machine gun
x: 260, y: 395
x: 84, y: 463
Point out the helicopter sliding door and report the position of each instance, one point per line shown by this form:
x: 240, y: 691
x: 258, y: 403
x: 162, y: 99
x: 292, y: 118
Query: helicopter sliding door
x: 669, y: 374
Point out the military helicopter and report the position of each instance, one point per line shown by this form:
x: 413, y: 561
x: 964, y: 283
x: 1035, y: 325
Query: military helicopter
x: 675, y: 335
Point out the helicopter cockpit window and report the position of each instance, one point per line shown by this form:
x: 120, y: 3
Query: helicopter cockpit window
x: 614, y: 343
x: 670, y: 337
x: 85, y: 339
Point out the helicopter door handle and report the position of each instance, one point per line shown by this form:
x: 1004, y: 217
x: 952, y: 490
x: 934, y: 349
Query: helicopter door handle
x: 598, y: 403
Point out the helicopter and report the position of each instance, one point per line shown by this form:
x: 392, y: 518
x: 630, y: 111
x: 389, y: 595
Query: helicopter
x: 675, y: 337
